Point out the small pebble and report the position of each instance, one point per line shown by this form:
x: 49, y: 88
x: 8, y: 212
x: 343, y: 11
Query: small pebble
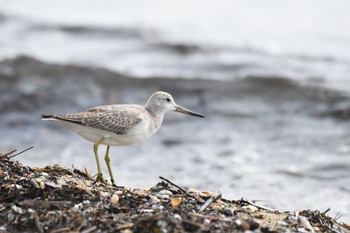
x: 205, y: 194
x: 154, y: 199
x: 254, y: 224
x: 6, y: 176
x: 86, y: 202
x: 114, y: 199
x: 17, y: 209
x: 250, y: 208
x: 206, y: 221
x: 38, y: 179
x: 78, y: 206
x: 34, y: 183
x: 238, y: 222
x: 156, y: 189
x: 173, y: 189
x: 175, y: 202
x: 162, y: 196
x: 178, y: 217
x: 45, y: 174
x: 165, y: 192
x: 228, y: 212
x: 31, y: 211
x: 157, y: 207
x: 42, y: 185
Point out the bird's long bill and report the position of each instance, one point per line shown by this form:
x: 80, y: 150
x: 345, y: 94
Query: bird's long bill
x: 181, y: 109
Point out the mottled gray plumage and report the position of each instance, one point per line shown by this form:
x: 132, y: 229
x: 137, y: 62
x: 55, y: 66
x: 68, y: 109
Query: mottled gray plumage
x: 118, y: 119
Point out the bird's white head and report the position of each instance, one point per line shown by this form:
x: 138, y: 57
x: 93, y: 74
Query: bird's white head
x: 161, y: 102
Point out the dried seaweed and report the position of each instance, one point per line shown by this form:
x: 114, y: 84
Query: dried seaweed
x: 56, y: 199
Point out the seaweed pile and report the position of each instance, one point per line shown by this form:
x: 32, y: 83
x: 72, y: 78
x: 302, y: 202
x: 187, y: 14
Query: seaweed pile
x: 56, y: 199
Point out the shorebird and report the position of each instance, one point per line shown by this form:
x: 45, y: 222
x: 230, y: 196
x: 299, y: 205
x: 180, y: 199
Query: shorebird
x: 119, y: 125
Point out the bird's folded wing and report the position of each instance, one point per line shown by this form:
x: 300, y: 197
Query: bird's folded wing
x: 119, y: 121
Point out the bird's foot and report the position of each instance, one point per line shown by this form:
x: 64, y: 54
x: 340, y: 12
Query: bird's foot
x: 99, y: 178
x: 113, y: 183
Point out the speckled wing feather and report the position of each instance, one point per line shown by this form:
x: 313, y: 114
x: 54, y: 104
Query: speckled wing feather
x: 115, y: 118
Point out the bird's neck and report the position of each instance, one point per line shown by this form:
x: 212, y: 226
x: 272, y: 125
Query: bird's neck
x: 156, y: 114
x: 155, y: 110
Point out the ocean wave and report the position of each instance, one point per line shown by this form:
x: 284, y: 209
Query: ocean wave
x: 28, y: 84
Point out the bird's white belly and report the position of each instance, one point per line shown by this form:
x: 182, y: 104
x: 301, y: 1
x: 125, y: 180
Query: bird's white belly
x: 135, y: 135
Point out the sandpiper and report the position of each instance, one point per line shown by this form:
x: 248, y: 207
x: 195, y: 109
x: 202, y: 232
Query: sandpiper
x: 119, y: 125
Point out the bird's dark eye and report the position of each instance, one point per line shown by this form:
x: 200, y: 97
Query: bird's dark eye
x: 167, y: 99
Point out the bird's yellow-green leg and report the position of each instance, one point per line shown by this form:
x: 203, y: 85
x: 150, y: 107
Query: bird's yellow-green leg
x: 99, y: 172
x: 108, y: 162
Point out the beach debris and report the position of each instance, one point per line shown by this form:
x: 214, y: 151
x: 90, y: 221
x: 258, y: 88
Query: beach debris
x: 175, y: 202
x: 209, y: 201
x: 57, y: 199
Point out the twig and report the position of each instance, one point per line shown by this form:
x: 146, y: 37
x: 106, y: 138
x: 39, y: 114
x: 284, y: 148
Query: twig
x: 21, y: 152
x: 337, y: 216
x: 91, y: 229
x: 256, y: 205
x: 255, y: 201
x: 327, y: 210
x: 181, y: 189
x: 209, y: 201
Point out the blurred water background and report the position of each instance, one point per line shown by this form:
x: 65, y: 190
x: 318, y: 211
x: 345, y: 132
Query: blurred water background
x: 272, y: 78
